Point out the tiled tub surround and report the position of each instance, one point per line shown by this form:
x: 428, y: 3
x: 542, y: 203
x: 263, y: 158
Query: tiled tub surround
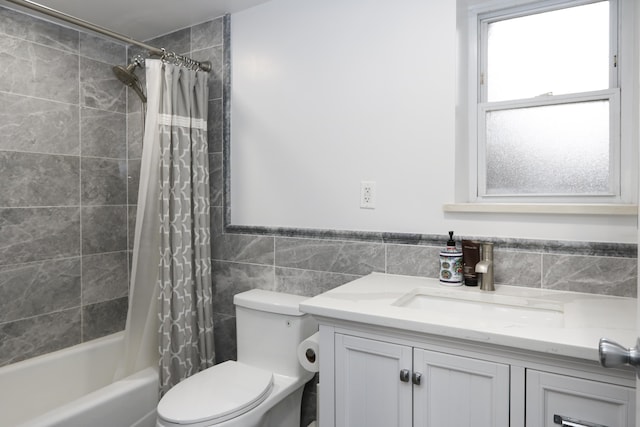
x: 70, y: 150
x: 63, y: 198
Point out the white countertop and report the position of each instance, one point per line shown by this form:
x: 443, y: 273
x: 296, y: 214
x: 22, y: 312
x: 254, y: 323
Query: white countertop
x: 582, y: 319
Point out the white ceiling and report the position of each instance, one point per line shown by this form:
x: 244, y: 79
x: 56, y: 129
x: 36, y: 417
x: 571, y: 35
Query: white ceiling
x: 145, y: 19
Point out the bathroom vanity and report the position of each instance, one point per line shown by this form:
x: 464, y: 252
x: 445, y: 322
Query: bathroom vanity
x: 407, y: 351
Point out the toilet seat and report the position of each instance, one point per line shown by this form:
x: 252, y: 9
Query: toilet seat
x: 216, y: 394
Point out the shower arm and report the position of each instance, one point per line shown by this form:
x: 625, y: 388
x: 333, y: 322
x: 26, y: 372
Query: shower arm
x: 153, y: 51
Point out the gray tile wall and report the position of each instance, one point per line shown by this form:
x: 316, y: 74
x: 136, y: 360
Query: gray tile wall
x: 70, y: 150
x: 63, y: 198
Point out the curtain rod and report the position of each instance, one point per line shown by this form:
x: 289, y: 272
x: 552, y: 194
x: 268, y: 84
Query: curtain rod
x: 154, y: 51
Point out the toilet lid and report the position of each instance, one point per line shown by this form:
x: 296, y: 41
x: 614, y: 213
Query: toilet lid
x: 216, y: 394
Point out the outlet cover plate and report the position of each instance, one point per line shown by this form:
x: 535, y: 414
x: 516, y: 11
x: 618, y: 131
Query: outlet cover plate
x: 367, y: 194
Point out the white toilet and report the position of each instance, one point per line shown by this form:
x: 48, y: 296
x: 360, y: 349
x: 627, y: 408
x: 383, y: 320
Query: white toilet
x: 264, y: 387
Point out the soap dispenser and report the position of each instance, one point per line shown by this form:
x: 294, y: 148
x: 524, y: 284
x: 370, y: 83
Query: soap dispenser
x: 451, y: 272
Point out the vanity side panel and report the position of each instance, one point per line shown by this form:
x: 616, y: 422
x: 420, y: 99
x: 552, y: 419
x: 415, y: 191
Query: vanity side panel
x: 326, y: 385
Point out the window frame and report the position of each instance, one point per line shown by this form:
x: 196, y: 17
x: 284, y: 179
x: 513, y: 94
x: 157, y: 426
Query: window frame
x: 479, y: 19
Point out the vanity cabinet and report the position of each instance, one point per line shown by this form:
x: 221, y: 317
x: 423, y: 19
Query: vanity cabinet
x: 381, y: 384
x: 400, y: 351
x: 380, y: 380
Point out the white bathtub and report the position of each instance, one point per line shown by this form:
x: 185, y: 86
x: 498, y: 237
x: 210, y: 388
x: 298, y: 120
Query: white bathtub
x: 74, y: 388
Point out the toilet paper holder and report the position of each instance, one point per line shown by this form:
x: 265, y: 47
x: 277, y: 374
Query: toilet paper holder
x: 310, y: 355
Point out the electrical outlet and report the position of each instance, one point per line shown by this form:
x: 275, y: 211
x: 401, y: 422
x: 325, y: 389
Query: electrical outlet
x: 367, y: 194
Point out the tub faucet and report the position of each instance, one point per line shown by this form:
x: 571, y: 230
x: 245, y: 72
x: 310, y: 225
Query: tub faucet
x: 485, y: 267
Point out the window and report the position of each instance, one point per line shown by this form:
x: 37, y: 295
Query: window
x: 548, y: 105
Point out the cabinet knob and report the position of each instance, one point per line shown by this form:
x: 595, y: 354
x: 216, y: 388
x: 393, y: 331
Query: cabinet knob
x: 404, y: 375
x: 417, y: 377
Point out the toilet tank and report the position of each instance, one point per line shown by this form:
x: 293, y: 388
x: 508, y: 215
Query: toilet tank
x: 269, y: 328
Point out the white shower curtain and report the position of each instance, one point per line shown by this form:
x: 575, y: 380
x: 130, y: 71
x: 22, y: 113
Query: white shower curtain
x: 170, y: 308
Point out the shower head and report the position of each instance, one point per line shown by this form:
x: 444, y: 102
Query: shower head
x: 127, y: 76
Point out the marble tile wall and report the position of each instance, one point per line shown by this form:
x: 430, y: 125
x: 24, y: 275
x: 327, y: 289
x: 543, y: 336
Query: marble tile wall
x: 70, y: 152
x: 63, y: 198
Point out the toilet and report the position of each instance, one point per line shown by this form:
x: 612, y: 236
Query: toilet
x: 263, y: 388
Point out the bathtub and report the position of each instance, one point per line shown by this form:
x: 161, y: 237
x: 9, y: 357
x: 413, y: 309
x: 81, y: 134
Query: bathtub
x: 74, y: 388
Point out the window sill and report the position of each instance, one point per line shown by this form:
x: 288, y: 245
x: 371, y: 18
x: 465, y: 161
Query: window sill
x: 542, y: 208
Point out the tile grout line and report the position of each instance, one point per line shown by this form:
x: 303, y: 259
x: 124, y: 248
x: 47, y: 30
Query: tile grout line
x: 80, y: 135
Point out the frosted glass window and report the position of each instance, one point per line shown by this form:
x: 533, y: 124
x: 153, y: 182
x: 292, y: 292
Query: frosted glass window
x: 549, y: 150
x: 551, y: 53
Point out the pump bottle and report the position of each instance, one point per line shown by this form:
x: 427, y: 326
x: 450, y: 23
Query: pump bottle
x: 451, y: 271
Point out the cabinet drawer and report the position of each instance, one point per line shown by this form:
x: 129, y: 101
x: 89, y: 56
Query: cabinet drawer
x: 593, y: 402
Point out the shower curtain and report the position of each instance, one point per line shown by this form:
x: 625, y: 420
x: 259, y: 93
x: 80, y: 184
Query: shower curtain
x: 170, y: 306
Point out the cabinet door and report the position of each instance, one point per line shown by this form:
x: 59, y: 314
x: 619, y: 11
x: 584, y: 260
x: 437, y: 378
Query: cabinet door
x: 588, y: 401
x: 369, y: 391
x: 457, y: 391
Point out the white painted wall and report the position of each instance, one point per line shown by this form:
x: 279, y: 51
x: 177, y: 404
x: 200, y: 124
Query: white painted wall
x: 326, y: 93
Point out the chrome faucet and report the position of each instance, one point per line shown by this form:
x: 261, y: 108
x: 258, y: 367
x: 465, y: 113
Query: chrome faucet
x: 485, y: 267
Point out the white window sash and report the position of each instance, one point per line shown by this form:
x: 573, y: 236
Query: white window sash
x: 610, y: 95
x: 484, y: 19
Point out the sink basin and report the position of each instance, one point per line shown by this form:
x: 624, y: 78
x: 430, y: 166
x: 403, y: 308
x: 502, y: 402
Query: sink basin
x: 485, y: 308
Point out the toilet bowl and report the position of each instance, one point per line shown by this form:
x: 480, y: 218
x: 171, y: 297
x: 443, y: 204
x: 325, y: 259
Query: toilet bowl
x: 263, y: 388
